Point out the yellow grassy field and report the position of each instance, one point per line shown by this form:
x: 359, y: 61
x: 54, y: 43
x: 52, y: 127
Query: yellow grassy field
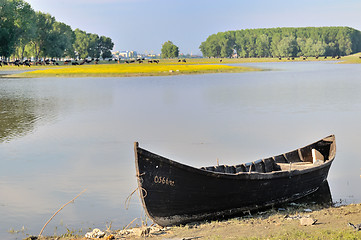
x: 135, y: 69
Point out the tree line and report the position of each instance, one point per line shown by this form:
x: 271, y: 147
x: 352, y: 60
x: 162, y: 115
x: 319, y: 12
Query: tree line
x: 283, y: 42
x: 25, y: 33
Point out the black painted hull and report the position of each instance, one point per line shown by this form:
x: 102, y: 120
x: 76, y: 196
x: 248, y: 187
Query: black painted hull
x: 174, y: 193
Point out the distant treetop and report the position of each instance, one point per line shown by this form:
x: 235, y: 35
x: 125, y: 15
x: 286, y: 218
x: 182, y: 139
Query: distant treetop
x: 169, y: 50
x: 283, y: 42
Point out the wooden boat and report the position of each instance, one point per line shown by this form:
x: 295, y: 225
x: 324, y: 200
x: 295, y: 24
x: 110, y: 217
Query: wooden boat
x: 173, y: 193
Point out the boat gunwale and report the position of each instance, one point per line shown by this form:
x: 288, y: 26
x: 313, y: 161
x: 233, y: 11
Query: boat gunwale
x: 249, y: 175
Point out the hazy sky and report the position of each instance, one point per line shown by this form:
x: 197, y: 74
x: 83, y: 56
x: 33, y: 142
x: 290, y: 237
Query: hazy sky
x: 144, y: 25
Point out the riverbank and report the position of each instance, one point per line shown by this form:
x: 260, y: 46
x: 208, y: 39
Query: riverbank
x: 165, y: 67
x: 298, y: 221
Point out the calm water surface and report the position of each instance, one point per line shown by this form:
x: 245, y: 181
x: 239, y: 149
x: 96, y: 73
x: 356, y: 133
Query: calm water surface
x: 60, y: 136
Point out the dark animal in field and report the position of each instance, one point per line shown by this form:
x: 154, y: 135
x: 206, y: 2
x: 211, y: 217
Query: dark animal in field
x: 338, y: 57
x: 179, y: 60
x: 304, y: 58
x: 357, y: 227
x: 293, y: 58
x: 74, y: 63
x: 110, y: 60
x: 140, y: 61
x: 150, y: 61
x: 317, y: 57
x: 67, y: 62
x: 132, y: 61
x: 325, y: 57
x: 16, y: 63
x: 279, y: 58
x: 156, y: 61
x: 126, y: 61
x: 220, y: 60
x: 184, y: 60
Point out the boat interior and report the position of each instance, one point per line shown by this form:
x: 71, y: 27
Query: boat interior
x: 299, y: 159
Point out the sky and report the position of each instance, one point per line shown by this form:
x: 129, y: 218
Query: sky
x: 144, y: 25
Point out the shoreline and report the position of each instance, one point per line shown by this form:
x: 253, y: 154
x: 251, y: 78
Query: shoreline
x: 296, y: 221
x: 166, y: 67
x: 129, y: 70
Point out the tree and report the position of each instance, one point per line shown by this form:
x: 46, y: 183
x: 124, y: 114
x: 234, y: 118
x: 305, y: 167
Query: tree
x: 169, y: 50
x: 59, y: 40
x: 81, y: 44
x: 42, y: 42
x: 91, y: 45
x: 106, y: 45
x: 24, y: 21
x: 262, y: 46
x: 287, y: 47
x: 8, y: 27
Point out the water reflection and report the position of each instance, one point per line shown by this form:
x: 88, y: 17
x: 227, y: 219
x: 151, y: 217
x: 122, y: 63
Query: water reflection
x: 18, y: 116
x: 25, y: 103
x: 321, y: 197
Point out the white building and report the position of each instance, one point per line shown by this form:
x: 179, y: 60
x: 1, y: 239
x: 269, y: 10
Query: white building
x: 125, y: 54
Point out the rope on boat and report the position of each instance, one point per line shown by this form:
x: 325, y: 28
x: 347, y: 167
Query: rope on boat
x: 127, y: 200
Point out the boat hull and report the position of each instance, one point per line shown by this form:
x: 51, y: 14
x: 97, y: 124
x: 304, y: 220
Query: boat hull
x: 174, y: 193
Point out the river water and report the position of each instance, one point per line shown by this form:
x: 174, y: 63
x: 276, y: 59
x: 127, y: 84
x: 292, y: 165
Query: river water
x: 60, y: 136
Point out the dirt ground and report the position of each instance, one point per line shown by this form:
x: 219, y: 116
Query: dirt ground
x: 320, y: 223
